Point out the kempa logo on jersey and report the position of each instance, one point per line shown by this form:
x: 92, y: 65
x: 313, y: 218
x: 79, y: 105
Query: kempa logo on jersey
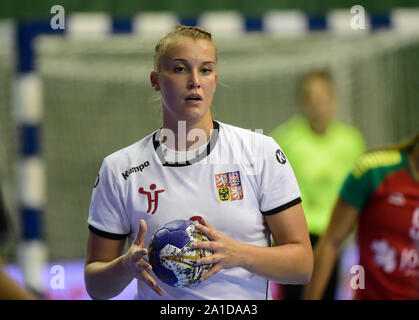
x: 229, y: 186
x: 140, y: 168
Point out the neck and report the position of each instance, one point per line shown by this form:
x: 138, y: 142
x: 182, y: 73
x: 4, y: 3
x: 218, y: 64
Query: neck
x: 318, y: 127
x: 183, y: 135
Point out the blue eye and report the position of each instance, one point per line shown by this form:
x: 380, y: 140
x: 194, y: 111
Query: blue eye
x: 179, y: 69
x: 206, y: 70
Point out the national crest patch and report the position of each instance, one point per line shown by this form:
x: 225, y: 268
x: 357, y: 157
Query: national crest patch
x: 229, y: 186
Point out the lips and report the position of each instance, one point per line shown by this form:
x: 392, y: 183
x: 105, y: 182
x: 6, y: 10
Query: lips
x: 193, y: 97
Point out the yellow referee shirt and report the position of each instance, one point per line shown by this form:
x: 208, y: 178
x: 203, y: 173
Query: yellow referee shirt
x: 320, y: 162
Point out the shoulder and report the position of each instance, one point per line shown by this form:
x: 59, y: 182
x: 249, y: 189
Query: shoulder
x: 122, y: 158
x: 369, y: 172
x: 237, y: 134
x: 228, y: 128
x: 348, y: 132
x: 294, y: 124
x: 251, y: 138
x: 377, y: 160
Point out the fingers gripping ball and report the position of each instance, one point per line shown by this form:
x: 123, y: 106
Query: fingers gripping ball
x: 172, y: 257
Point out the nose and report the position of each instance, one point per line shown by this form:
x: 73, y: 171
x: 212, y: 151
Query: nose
x: 194, y: 81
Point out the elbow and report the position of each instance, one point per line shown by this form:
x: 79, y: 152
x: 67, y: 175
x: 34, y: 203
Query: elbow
x: 310, y: 267
x: 92, y: 296
x: 93, y: 293
x: 307, y: 268
x: 306, y: 278
x: 301, y: 270
x: 303, y: 277
x: 91, y: 288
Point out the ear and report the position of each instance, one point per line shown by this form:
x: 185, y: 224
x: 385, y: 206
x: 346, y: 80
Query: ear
x: 154, y: 79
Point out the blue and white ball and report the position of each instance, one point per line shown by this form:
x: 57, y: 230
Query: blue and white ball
x: 172, y: 257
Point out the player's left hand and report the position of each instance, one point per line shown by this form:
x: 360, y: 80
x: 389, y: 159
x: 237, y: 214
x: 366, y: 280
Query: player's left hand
x: 227, y: 252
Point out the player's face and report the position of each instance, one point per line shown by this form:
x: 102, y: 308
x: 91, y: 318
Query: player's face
x: 319, y: 104
x: 187, y: 79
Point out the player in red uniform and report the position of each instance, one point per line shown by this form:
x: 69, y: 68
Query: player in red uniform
x: 382, y: 193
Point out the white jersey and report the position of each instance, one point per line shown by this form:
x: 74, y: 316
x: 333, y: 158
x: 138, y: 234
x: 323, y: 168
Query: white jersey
x: 233, y: 181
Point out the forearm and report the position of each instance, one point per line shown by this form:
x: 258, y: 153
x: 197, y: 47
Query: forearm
x: 328, y: 247
x: 105, y: 280
x: 325, y: 255
x: 287, y: 264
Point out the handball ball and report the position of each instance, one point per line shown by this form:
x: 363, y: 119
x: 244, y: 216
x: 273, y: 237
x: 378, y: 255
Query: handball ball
x: 172, y: 257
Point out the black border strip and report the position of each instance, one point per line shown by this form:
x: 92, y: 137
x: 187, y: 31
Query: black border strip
x: 108, y: 235
x: 282, y: 208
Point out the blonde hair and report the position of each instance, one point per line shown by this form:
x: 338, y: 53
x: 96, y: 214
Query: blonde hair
x: 180, y: 31
x: 408, y: 145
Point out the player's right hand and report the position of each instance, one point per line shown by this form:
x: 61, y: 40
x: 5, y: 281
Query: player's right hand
x: 134, y: 259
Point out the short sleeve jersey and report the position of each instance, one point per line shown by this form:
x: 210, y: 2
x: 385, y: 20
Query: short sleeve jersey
x: 233, y: 181
x: 387, y: 196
